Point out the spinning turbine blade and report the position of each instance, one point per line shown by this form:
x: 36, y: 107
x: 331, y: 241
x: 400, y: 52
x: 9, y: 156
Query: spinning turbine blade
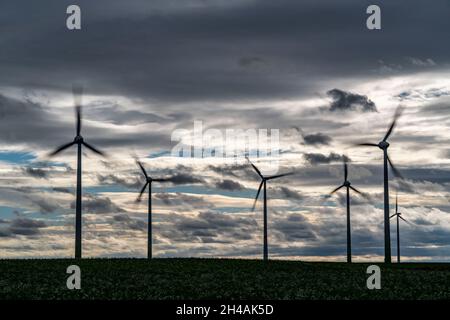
x: 161, y: 179
x: 254, y: 167
x: 61, y: 148
x: 93, y: 149
x: 396, y: 203
x: 280, y: 175
x: 404, y: 220
x: 367, y: 144
x: 142, y: 168
x: 394, y: 169
x: 336, y: 189
x: 142, y: 191
x: 257, y: 195
x: 77, y: 95
x: 345, y: 170
x: 398, y: 112
x: 356, y: 190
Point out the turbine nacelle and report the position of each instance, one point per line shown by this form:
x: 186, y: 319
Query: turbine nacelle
x: 383, y: 145
x: 78, y: 139
x: 347, y: 184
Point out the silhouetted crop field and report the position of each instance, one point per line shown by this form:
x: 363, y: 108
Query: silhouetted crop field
x: 218, y: 279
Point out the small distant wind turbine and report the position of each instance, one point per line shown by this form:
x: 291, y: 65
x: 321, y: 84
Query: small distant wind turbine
x: 264, y: 179
x: 148, y: 181
x: 348, y: 186
x: 384, y: 145
x: 79, y: 141
x: 399, y: 216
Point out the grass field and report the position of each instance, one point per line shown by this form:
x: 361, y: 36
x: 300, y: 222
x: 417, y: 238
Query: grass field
x: 218, y: 279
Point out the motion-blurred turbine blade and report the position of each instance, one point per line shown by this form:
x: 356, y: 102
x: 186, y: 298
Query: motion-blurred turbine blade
x: 336, y: 189
x: 398, y: 112
x: 77, y: 92
x: 404, y: 220
x: 280, y: 175
x: 142, y: 191
x: 345, y: 170
x: 61, y: 148
x: 396, y: 203
x: 162, y: 179
x: 254, y: 167
x: 92, y: 148
x: 367, y: 144
x: 142, y: 168
x: 356, y: 190
x: 394, y: 169
x: 257, y: 195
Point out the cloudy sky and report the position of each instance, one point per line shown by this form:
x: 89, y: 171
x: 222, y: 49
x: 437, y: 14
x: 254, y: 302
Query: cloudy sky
x: 310, y: 69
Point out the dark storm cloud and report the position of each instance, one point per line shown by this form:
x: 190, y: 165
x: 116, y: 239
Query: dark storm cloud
x: 182, y: 53
x: 112, y: 179
x: 347, y: 101
x: 317, y: 139
x: 184, y: 178
x: 210, y: 227
x: 290, y: 194
x: 36, y: 172
x: 181, y: 199
x: 127, y: 222
x: 94, y: 204
x: 319, y: 158
x: 23, y: 226
x: 227, y: 184
x: 294, y: 228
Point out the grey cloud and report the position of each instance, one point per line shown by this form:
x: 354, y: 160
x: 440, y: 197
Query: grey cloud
x: 184, y: 178
x: 93, y: 204
x: 36, y: 172
x: 290, y: 194
x: 231, y: 185
x: 317, y: 139
x: 319, y: 158
x: 25, y: 226
x: 112, y: 179
x: 345, y: 101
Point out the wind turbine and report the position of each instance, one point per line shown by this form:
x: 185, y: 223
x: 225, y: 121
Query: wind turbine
x: 399, y: 216
x: 264, y: 180
x: 79, y: 141
x: 348, y: 186
x: 384, y: 145
x: 148, y: 181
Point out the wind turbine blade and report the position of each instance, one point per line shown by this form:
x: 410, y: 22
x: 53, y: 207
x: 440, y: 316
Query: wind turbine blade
x: 142, y: 191
x: 366, y: 144
x: 394, y: 169
x: 392, y: 216
x: 336, y: 189
x: 92, y: 148
x: 396, y: 203
x: 345, y: 170
x: 405, y: 220
x: 77, y: 92
x: 280, y: 175
x: 254, y: 167
x: 61, y: 148
x: 356, y: 190
x: 142, y: 168
x: 397, y: 114
x: 161, y: 179
x: 257, y: 195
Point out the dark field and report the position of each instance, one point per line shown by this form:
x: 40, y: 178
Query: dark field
x: 218, y: 279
